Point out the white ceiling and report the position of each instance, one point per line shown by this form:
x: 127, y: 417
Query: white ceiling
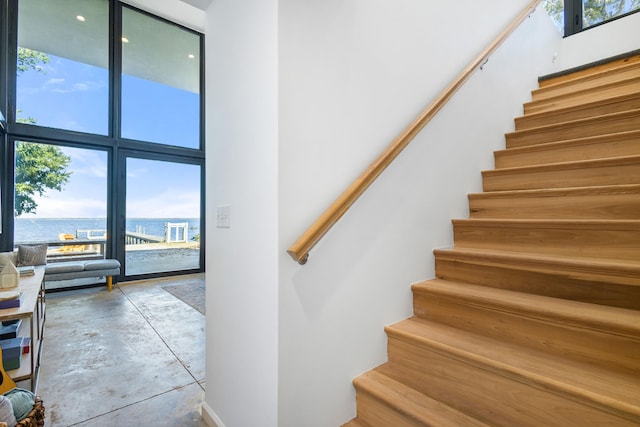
x: 200, y: 4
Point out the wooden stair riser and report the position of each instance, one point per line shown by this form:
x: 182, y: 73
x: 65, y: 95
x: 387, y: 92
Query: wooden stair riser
x: 580, y: 98
x: 609, y: 77
x: 594, y: 109
x: 602, y: 203
x: 584, y: 72
x: 375, y: 413
x: 383, y: 402
x: 603, y: 125
x: 591, y: 148
x: 598, y: 286
x: 575, y: 342
x: 616, y: 240
x: 484, y: 393
x: 616, y: 171
x: 355, y: 422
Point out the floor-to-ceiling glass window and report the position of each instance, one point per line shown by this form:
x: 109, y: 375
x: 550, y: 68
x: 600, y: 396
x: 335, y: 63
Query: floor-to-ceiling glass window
x: 162, y: 216
x: 160, y: 105
x: 95, y: 88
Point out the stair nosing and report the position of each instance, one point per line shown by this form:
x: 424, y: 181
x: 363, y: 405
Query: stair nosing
x: 616, y: 224
x: 556, y: 192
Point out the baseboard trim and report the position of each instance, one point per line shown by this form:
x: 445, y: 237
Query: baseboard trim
x: 209, y: 416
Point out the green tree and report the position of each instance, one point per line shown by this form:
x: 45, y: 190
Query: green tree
x: 39, y: 167
x: 29, y: 59
x: 555, y: 9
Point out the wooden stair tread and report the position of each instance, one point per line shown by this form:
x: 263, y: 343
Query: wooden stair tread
x: 622, y: 224
x: 624, y: 272
x: 560, y: 192
x: 589, y: 69
x: 616, y: 104
x: 577, y: 98
x: 594, y: 386
x: 588, y: 82
x: 601, y: 124
x: 622, y: 322
x: 580, y: 173
x: 568, y: 165
x: 578, y: 122
x: 609, y: 202
x: 604, y: 140
x: 589, y: 238
x: 355, y: 423
x: 411, y: 403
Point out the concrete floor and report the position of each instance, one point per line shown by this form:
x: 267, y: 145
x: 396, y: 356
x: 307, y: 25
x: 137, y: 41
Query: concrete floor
x: 134, y: 356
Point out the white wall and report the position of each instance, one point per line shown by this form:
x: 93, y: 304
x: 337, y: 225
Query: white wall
x: 352, y: 75
x: 614, y: 38
x: 241, y: 168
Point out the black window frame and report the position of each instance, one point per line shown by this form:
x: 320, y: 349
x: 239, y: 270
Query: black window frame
x: 573, y: 18
x: 113, y: 143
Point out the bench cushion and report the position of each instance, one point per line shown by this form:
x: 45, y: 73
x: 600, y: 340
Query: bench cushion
x: 64, y: 267
x: 101, y: 264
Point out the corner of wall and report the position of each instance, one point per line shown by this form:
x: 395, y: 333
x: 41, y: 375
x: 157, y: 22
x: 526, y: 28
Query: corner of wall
x: 209, y: 416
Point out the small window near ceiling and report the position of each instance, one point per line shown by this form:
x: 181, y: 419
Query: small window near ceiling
x: 599, y: 11
x: 63, y: 64
x: 573, y: 16
x: 160, y: 81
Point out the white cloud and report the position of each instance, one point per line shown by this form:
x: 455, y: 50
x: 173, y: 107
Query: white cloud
x: 172, y: 203
x: 69, y: 208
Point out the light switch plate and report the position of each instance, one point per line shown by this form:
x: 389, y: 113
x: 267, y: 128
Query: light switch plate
x: 223, y: 216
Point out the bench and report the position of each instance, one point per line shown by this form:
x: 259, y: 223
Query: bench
x: 68, y: 270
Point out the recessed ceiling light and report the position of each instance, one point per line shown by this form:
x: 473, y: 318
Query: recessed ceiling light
x: 191, y: 56
x: 125, y: 40
x: 80, y: 18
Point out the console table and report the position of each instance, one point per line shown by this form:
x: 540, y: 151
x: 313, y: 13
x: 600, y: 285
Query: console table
x: 32, y: 313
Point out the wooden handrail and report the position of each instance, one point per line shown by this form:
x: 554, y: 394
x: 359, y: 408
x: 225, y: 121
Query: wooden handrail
x: 299, y: 251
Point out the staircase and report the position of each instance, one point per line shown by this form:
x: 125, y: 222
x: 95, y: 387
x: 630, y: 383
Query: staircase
x: 534, y: 317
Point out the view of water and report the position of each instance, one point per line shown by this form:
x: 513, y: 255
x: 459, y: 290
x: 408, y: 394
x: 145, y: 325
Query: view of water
x: 29, y: 230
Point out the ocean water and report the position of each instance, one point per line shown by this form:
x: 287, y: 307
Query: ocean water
x: 29, y: 230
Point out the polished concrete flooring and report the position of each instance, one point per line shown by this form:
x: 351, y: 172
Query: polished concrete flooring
x: 133, y: 356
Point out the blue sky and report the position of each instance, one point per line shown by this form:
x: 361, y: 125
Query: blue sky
x: 74, y: 96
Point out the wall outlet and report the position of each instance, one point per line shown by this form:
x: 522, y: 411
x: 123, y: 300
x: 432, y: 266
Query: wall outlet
x: 223, y: 216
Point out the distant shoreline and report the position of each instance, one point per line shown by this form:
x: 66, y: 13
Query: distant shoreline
x: 158, y: 246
